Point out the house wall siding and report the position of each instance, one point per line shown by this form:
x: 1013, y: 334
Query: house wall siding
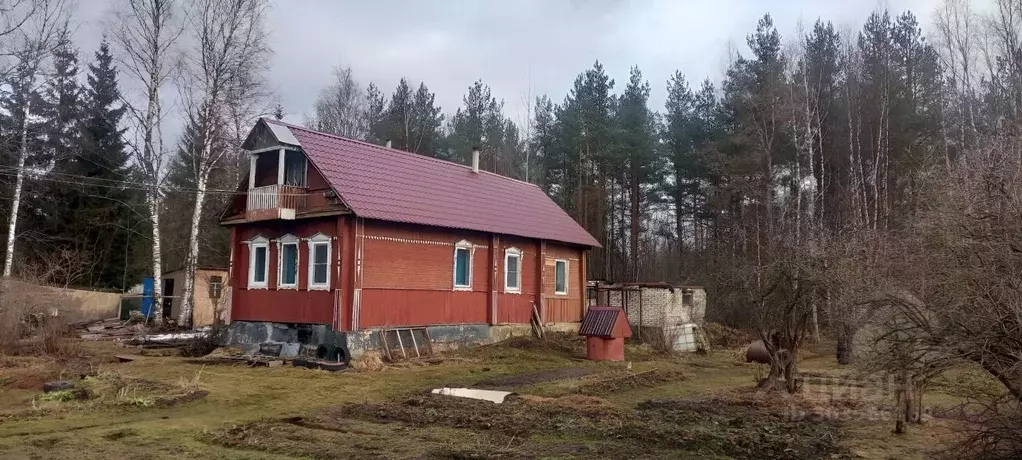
x: 517, y: 307
x: 279, y: 304
x: 563, y: 308
x: 408, y: 276
x: 386, y: 274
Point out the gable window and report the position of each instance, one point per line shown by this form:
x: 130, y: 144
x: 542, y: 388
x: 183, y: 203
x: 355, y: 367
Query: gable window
x: 513, y: 270
x: 561, y: 277
x: 287, y: 266
x: 258, y: 262
x: 463, y: 265
x: 319, y: 262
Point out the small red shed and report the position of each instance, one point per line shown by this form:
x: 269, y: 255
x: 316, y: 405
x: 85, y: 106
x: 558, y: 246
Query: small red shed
x: 606, y: 329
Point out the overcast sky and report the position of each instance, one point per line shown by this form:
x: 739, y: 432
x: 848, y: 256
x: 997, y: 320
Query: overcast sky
x: 518, y: 48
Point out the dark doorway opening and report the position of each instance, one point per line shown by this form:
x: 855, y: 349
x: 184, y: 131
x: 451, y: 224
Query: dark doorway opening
x: 168, y: 292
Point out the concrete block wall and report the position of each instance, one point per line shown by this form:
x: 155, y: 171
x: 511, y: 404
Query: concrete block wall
x: 253, y: 336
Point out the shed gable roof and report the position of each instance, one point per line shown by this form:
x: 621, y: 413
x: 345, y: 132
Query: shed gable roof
x: 397, y: 186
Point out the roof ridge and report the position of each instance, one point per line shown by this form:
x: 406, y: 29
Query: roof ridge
x: 382, y: 148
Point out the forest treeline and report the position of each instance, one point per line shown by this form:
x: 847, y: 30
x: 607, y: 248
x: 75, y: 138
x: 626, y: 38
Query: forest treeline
x: 817, y: 130
x: 864, y: 184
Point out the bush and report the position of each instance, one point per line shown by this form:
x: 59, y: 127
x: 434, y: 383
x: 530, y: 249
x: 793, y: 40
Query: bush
x: 661, y: 339
x: 721, y: 336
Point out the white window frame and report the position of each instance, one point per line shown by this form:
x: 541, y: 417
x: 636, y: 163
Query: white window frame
x: 253, y: 245
x: 466, y: 246
x: 567, y: 276
x: 287, y: 240
x: 319, y: 239
x: 519, y: 255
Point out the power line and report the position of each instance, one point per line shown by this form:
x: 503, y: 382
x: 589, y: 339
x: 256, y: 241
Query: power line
x: 86, y: 181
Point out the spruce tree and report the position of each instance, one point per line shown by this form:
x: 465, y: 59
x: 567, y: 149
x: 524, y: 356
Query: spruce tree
x: 104, y: 216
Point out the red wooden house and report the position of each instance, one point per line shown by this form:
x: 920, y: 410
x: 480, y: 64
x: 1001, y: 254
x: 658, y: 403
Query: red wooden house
x: 334, y: 237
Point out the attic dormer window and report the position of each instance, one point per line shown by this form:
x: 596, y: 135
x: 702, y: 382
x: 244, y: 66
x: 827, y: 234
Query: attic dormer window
x: 295, y: 169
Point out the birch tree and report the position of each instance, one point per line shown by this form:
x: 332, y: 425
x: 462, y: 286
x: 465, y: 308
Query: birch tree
x: 34, y: 42
x: 145, y: 34
x: 14, y: 16
x: 340, y: 106
x: 230, y: 50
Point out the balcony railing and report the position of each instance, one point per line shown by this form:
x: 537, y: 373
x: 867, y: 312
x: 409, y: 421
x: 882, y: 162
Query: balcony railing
x: 282, y: 197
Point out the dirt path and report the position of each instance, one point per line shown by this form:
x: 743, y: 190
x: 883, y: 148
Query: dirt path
x: 510, y: 382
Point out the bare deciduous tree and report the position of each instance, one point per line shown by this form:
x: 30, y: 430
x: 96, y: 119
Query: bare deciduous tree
x: 230, y: 51
x: 14, y: 16
x: 34, y: 42
x: 145, y: 33
x: 341, y: 106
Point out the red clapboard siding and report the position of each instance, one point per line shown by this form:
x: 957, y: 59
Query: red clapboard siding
x: 562, y: 310
x: 391, y: 307
x: 283, y: 306
x: 514, y: 309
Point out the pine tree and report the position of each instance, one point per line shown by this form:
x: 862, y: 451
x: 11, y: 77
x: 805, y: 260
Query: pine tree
x: 397, y: 119
x: 480, y: 123
x: 643, y: 170
x: 586, y: 125
x: 683, y: 138
x: 548, y: 154
x: 427, y: 120
x: 375, y: 106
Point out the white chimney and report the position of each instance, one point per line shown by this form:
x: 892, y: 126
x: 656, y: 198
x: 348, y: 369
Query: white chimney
x: 388, y: 143
x: 475, y: 160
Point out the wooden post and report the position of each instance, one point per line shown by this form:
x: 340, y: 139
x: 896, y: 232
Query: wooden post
x: 491, y: 291
x: 280, y: 167
x: 346, y: 234
x: 583, y: 284
x: 252, y: 160
x: 359, y: 250
x: 230, y: 281
x: 337, y: 281
x: 541, y: 288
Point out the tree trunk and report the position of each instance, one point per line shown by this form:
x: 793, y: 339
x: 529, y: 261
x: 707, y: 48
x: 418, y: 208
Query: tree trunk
x: 153, y: 200
x: 899, y: 411
x: 19, y: 183
x: 919, y: 403
x: 192, y: 260
x: 845, y: 344
x: 903, y: 404
x: 791, y: 375
x: 635, y: 217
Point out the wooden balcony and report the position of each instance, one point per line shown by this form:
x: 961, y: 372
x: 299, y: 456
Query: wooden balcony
x: 275, y: 202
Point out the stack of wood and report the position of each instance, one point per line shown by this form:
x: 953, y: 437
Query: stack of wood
x: 108, y: 329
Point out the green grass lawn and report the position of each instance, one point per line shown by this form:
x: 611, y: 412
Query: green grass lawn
x: 286, y: 412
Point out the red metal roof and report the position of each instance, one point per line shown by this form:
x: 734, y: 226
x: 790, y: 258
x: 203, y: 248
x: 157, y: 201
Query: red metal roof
x: 393, y: 185
x: 606, y: 322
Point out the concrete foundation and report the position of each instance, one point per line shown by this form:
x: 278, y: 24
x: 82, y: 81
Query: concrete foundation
x: 311, y: 340
x: 317, y: 340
